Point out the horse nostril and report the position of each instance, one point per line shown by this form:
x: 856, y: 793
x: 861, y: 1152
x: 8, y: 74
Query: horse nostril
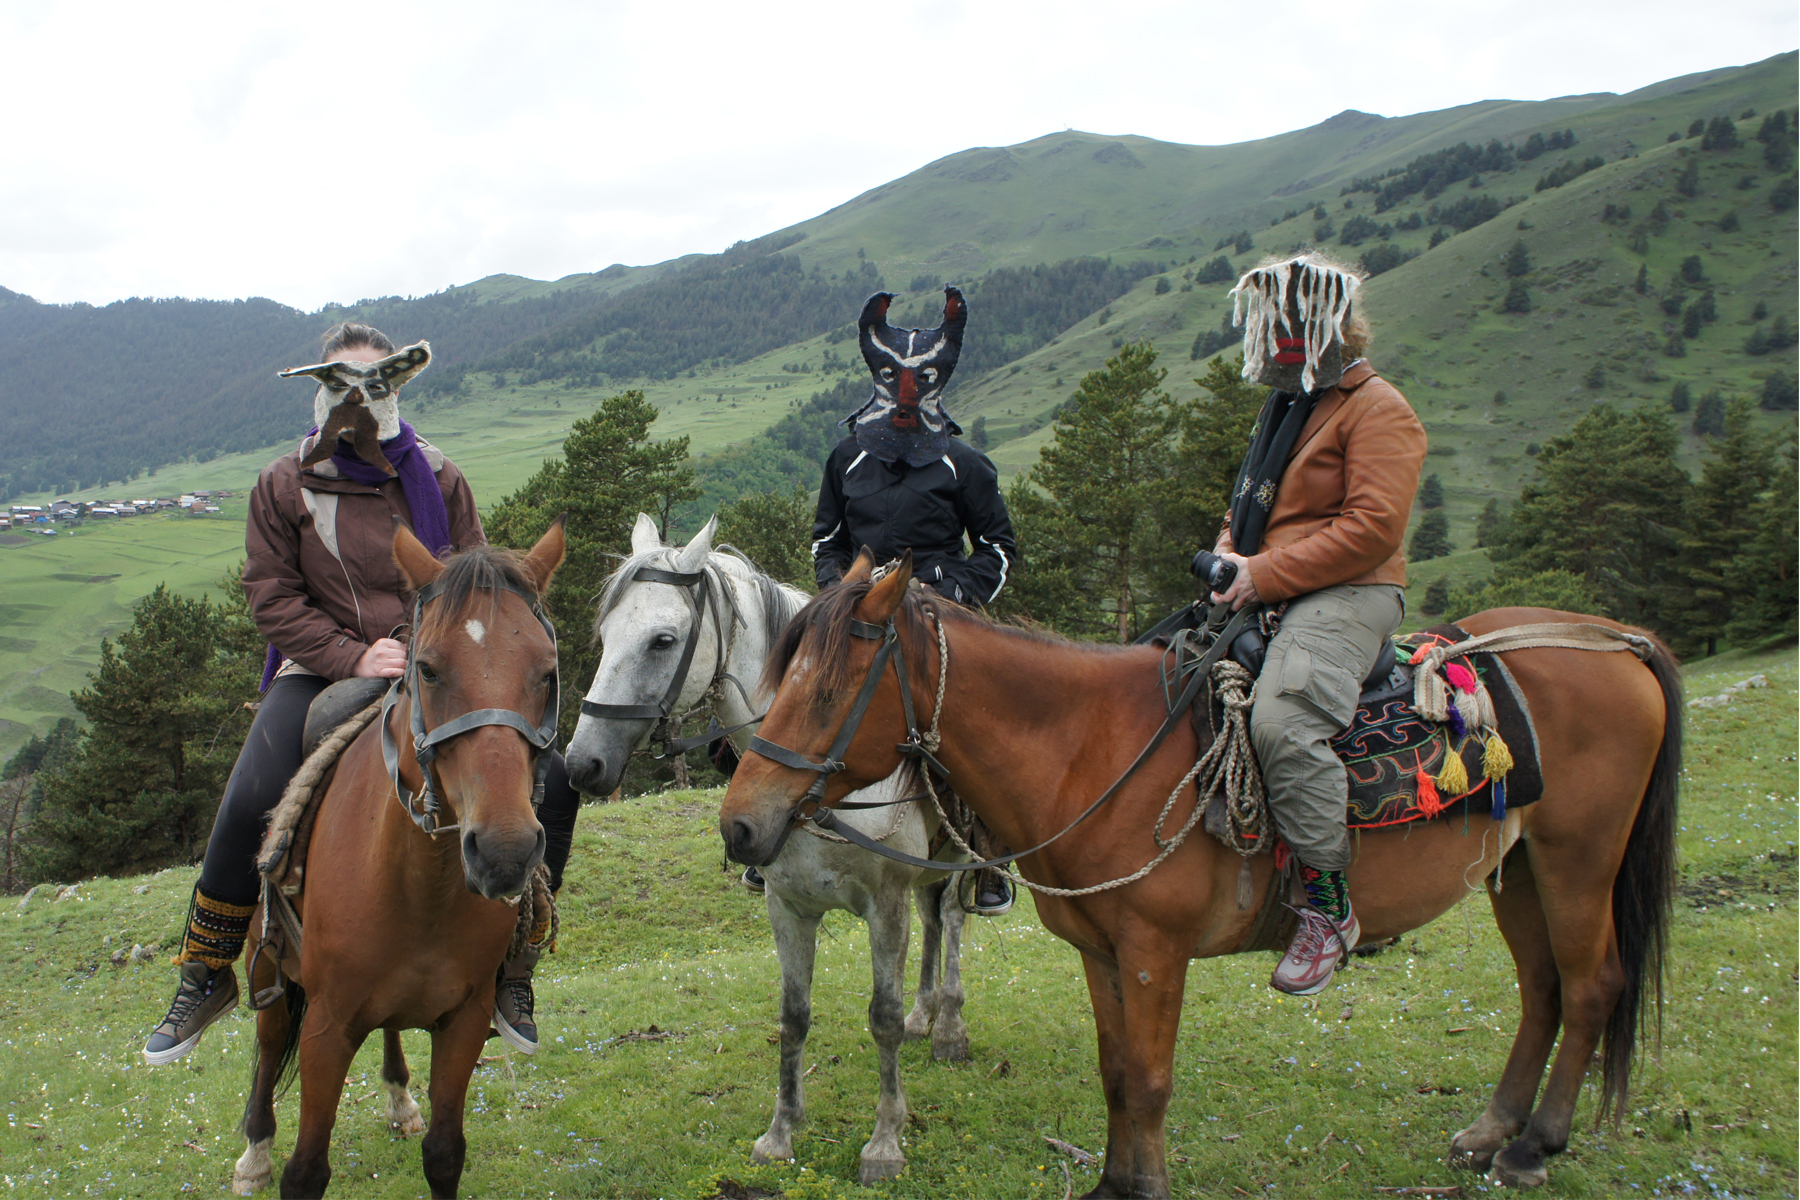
x: 742, y: 834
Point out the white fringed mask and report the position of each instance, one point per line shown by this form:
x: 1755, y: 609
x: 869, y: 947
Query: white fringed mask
x: 1293, y: 315
x: 359, y: 402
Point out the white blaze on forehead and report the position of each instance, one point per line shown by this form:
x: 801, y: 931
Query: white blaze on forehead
x: 476, y: 630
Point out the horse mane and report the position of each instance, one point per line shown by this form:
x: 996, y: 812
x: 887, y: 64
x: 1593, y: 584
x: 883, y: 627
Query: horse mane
x: 480, y: 569
x: 779, y: 602
x: 830, y: 611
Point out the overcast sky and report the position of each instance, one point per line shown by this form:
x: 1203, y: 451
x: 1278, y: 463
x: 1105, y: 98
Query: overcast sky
x: 331, y: 152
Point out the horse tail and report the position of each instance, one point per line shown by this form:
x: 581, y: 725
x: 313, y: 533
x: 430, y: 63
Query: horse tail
x: 1643, y: 897
x: 289, y: 1062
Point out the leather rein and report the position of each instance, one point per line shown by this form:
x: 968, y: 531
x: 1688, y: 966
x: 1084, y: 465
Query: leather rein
x: 695, y: 590
x: 915, y: 744
x: 426, y: 742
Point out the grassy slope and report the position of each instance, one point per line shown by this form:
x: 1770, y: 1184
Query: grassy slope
x: 656, y: 933
x: 1440, y: 334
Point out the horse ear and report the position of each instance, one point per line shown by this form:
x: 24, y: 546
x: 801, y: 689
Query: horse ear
x: 883, y: 600
x: 644, y: 535
x: 862, y: 568
x: 541, y: 560
x: 693, y: 555
x: 416, y: 563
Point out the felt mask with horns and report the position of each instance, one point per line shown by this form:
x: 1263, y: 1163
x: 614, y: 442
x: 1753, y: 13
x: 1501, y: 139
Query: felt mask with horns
x: 358, y: 402
x: 905, y: 417
x: 1293, y: 316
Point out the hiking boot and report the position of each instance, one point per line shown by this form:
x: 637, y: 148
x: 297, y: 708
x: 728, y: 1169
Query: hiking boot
x: 993, y: 893
x: 203, y: 996
x: 513, y: 1001
x: 753, y: 880
x: 1319, y: 945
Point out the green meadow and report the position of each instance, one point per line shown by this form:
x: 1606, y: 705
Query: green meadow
x: 659, y: 1020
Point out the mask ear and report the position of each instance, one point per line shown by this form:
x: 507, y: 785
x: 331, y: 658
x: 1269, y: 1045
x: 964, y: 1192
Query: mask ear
x: 541, y: 561
x: 883, y: 600
x: 862, y: 568
x: 693, y: 555
x: 644, y: 537
x: 870, y: 326
x: 416, y: 563
x: 397, y: 368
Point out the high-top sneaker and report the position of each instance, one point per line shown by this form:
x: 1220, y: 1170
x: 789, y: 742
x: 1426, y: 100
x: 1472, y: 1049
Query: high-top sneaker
x: 514, y: 1001
x: 993, y: 892
x: 204, y: 995
x: 1313, y: 955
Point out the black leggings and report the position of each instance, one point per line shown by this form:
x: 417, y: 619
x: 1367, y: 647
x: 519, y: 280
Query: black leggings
x: 271, y: 755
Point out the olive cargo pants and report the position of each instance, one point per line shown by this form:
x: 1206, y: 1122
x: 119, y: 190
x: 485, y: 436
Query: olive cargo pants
x: 1305, y: 695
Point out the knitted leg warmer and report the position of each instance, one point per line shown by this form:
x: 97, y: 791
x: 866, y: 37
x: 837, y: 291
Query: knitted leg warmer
x: 215, y: 930
x: 1327, y: 891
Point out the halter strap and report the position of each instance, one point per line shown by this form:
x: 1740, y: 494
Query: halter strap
x: 540, y: 737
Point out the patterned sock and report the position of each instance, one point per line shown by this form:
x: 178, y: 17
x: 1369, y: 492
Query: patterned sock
x: 1327, y: 891
x: 215, y: 931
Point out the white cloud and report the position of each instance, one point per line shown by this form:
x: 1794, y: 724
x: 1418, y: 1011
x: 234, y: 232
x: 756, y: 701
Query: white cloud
x: 394, y: 147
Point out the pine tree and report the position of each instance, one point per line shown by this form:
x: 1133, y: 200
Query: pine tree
x: 1490, y: 523
x: 1709, y: 415
x: 1607, y: 503
x: 1437, y: 597
x: 1681, y: 398
x: 1431, y: 537
x: 1431, y: 492
x: 609, y: 472
x: 1764, y: 569
x: 1088, y: 509
x: 1518, y: 299
x: 166, y: 716
x: 1517, y: 260
x: 773, y: 530
x: 1736, y: 471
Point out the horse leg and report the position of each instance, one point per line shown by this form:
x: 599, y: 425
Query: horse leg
x: 950, y: 1036
x: 325, y: 1054
x: 455, y: 1049
x: 1109, y: 1029
x: 1520, y: 915
x: 402, y: 1110
x: 882, y: 1157
x: 255, y: 1168
x: 796, y: 942
x: 928, y: 895
x: 1575, y: 887
x: 1153, y: 979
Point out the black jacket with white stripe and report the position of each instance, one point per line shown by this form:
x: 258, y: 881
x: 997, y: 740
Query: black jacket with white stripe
x: 891, y: 507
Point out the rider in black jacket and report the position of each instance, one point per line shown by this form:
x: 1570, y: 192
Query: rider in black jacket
x: 901, y: 481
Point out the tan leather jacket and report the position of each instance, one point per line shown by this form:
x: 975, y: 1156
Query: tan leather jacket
x: 1340, y: 512
x: 320, y: 572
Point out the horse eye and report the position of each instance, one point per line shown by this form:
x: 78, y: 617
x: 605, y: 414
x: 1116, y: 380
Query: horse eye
x: 427, y: 674
x: 887, y: 374
x: 662, y: 641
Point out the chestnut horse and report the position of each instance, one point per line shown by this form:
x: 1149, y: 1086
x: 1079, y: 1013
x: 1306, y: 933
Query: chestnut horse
x: 404, y: 928
x: 1035, y: 728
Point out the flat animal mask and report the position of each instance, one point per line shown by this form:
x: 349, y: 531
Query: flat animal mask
x: 1293, y: 316
x: 905, y: 417
x: 359, y: 402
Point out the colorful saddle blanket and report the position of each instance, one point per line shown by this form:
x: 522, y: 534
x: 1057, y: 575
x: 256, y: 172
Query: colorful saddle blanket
x: 1400, y: 764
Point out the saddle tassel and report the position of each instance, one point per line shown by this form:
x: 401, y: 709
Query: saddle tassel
x: 1430, y: 803
x: 1453, y: 780
x: 1243, y: 888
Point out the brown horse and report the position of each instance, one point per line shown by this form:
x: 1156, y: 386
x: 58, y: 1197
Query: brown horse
x: 406, y: 929
x: 1035, y: 728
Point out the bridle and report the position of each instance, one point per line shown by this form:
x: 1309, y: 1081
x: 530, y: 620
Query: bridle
x: 920, y: 745
x: 426, y: 742
x: 696, y: 590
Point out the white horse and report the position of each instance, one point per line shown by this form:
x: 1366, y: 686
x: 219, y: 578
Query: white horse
x: 646, y: 628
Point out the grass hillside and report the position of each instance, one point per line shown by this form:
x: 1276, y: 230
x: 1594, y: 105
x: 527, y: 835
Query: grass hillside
x: 1440, y: 332
x: 659, y: 1016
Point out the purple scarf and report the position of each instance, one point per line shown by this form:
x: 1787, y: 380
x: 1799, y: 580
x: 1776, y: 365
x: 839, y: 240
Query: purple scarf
x: 431, y: 520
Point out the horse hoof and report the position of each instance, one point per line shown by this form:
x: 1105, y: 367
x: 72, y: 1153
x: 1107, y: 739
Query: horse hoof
x: 874, y: 1170
x: 916, y: 1028
x: 1527, y: 1174
x: 1470, y: 1160
x: 253, y: 1170
x: 770, y: 1148
x: 952, y: 1049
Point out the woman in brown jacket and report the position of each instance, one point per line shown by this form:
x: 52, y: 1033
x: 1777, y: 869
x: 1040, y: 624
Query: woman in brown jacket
x: 325, y: 590
x: 1316, y: 521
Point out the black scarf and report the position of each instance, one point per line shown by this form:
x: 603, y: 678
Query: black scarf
x: 1272, y: 438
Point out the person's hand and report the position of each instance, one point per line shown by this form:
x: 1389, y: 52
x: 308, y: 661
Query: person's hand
x: 1243, y: 589
x: 384, y: 659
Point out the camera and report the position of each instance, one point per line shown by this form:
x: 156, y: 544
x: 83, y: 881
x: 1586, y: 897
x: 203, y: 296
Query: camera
x: 1216, y: 572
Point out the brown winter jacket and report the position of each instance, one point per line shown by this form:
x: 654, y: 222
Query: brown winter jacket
x: 1340, y: 511
x: 320, y: 572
